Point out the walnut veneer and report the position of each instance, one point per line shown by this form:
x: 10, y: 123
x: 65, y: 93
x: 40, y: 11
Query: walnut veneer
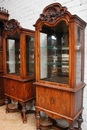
x: 59, y: 61
x: 18, y: 63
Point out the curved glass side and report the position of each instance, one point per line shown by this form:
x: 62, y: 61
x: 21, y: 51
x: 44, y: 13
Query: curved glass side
x: 78, y: 54
x: 29, y: 55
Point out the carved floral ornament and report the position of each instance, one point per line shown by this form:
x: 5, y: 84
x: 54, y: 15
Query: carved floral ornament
x: 11, y: 25
x: 52, y: 12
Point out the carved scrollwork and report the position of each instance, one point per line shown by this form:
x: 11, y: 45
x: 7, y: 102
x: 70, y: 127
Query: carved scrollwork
x: 11, y: 25
x: 52, y: 13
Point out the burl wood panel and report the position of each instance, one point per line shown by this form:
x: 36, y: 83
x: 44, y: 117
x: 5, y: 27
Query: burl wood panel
x: 62, y: 102
x: 19, y: 90
x: 53, y: 100
x: 78, y: 99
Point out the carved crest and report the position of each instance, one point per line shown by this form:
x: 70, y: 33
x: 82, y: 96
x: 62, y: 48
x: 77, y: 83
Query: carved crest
x: 11, y: 25
x: 52, y: 12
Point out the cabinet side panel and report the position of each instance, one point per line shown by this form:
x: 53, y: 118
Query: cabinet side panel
x: 28, y: 91
x: 78, y: 101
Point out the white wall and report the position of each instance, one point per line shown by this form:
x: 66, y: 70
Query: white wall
x: 27, y: 12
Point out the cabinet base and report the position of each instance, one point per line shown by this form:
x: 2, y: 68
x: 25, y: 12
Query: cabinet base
x: 71, y: 125
x: 21, y: 107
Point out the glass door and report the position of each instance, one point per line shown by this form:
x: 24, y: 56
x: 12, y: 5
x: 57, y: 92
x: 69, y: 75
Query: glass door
x: 54, y: 53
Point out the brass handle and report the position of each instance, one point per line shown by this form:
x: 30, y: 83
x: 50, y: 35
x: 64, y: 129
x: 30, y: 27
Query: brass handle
x: 52, y: 100
x: 12, y: 88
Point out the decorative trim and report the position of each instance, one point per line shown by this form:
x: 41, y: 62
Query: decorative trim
x: 11, y: 25
x: 52, y: 13
x: 3, y: 10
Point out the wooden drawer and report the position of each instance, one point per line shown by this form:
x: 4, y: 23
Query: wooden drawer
x: 10, y: 87
x: 20, y: 90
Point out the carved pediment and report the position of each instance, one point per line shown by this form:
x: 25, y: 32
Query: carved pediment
x: 11, y: 26
x: 52, y: 12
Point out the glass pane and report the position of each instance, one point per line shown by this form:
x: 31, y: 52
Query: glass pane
x: 29, y: 55
x: 13, y: 55
x: 54, y: 53
x: 78, y: 55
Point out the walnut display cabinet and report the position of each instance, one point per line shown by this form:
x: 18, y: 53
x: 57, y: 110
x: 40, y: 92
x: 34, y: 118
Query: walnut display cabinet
x: 59, y: 61
x: 3, y: 18
x: 18, y: 65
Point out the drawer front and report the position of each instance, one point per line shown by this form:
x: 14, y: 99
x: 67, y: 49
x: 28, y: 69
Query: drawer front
x: 53, y: 99
x: 20, y: 90
x: 10, y: 87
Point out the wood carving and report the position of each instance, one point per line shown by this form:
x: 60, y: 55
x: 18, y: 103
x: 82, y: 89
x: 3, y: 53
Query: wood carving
x: 52, y: 13
x: 11, y: 26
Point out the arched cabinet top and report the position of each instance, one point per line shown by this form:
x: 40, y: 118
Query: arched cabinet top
x: 12, y: 26
x: 54, y: 13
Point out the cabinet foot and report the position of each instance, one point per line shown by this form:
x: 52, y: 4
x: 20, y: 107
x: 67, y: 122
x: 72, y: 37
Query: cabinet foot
x: 38, y: 120
x: 38, y: 128
x: 7, y: 110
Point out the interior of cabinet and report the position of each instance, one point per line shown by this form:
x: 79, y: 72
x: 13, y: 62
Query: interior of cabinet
x: 54, y: 53
x: 13, y: 54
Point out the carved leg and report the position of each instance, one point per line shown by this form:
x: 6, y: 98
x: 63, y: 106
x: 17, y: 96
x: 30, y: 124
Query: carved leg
x: 24, y: 113
x: 6, y: 102
x: 80, y: 120
x: 38, y: 120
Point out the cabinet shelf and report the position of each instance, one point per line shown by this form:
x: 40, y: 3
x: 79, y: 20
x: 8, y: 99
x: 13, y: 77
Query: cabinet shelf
x: 12, y: 50
x: 31, y: 62
x: 29, y: 49
x: 13, y: 62
x: 57, y: 63
x: 63, y: 47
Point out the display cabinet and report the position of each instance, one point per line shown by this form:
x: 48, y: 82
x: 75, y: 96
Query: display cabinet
x: 3, y: 18
x: 18, y: 57
x: 59, y: 61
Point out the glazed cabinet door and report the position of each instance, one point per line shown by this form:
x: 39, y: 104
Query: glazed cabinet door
x: 54, y: 53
